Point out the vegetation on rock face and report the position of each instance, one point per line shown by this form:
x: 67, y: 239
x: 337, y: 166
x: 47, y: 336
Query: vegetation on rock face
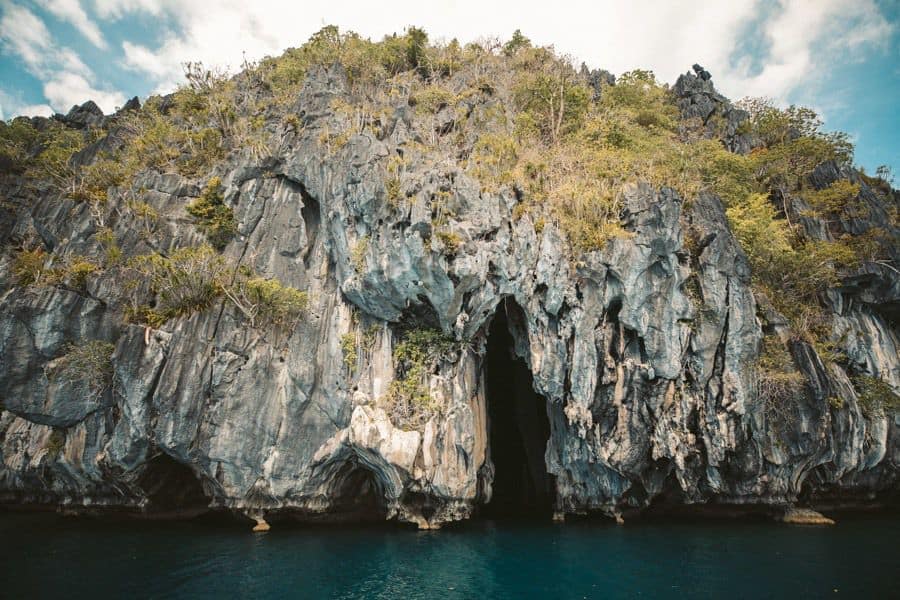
x: 33, y: 267
x: 408, y: 399
x: 191, y: 279
x: 353, y: 341
x: 187, y: 281
x: 876, y: 397
x: 214, y: 218
x: 266, y: 301
x: 781, y: 385
x: 56, y: 441
x: 87, y: 366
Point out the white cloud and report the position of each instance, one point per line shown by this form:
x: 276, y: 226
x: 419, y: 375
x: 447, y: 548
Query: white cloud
x: 14, y: 106
x: 68, y: 89
x: 114, y: 9
x: 25, y: 35
x: 66, y: 79
x: 143, y: 59
x: 71, y: 12
x: 805, y: 39
x: 35, y: 110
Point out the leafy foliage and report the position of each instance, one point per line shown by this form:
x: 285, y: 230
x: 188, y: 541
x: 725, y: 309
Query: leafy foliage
x: 348, y: 349
x: 33, y: 267
x: 267, y: 301
x: 186, y: 281
x: 191, y: 279
x: 832, y: 199
x: 550, y: 97
x: 791, y: 272
x: 214, y: 218
x: 29, y: 267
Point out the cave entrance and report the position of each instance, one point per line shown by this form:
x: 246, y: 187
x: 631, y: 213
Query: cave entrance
x: 359, y: 497
x: 171, y: 486
x: 518, y: 424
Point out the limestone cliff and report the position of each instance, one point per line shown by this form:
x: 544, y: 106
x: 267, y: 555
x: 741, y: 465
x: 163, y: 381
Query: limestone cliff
x: 642, y: 353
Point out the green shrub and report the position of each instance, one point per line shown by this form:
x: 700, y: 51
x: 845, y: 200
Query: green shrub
x: 153, y: 140
x: 18, y: 140
x: 516, y: 43
x: 450, y: 240
x: 366, y: 63
x: 77, y: 270
x: 790, y: 274
x: 266, y: 301
x: 876, y: 396
x: 29, y: 267
x: 408, y: 399
x: 112, y: 251
x: 358, y: 254
x: 348, y: 349
x: 92, y: 182
x: 186, y: 281
x: 58, y: 144
x: 213, y: 217
x: 392, y: 190
x: 832, y: 199
x: 191, y: 279
x: 145, y: 216
x: 432, y: 98
x: 548, y: 94
x: 493, y: 158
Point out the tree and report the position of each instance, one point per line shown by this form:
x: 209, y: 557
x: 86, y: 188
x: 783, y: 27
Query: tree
x: 885, y: 173
x: 550, y: 95
x: 416, y: 45
x: 515, y: 43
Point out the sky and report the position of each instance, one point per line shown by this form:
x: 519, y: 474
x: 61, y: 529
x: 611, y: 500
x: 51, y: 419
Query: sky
x: 840, y: 57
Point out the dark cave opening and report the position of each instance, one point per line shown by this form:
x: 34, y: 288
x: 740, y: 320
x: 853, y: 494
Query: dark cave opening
x: 172, y: 486
x: 519, y: 427
x: 359, y: 497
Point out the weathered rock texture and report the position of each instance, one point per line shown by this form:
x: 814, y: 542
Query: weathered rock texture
x: 645, y: 351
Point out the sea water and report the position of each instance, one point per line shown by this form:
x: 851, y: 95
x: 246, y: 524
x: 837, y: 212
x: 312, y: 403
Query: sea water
x: 49, y: 556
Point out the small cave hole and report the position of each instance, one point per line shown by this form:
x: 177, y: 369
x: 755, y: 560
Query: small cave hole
x: 172, y: 486
x: 518, y: 423
x: 359, y: 496
x: 311, y: 214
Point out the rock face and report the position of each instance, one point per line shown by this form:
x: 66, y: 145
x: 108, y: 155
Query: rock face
x: 643, y: 352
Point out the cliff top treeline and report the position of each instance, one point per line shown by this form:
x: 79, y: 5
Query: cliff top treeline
x: 510, y: 114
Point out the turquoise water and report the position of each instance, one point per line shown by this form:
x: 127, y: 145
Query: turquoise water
x: 46, y: 556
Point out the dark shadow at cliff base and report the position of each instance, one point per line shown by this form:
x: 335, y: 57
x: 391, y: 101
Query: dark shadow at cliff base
x: 519, y: 427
